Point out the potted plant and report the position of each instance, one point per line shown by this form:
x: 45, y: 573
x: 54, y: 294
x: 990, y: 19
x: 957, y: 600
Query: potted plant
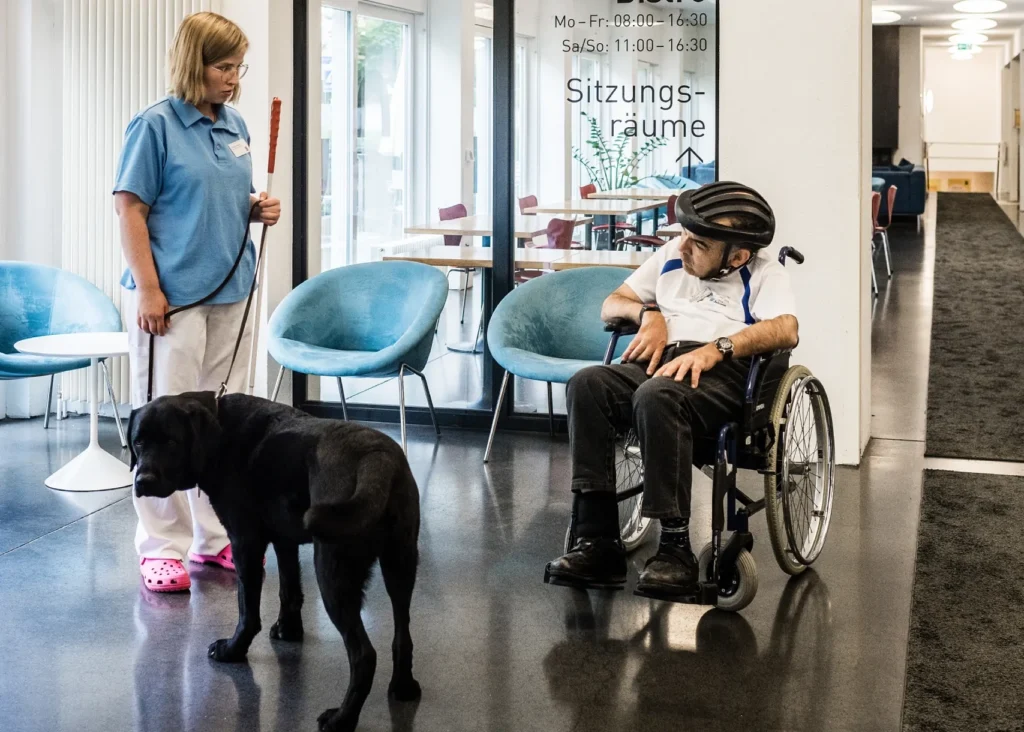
x: 612, y: 165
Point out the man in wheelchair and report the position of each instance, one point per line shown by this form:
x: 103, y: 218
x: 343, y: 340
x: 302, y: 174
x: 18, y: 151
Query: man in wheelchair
x: 705, y: 304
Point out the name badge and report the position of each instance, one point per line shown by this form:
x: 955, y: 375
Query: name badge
x: 239, y: 148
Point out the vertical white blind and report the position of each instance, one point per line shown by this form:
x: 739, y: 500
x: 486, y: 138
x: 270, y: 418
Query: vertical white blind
x: 115, y: 64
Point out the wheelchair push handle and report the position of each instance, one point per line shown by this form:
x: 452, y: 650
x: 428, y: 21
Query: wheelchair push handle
x: 790, y: 253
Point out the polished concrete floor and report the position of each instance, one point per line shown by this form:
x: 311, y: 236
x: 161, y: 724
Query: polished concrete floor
x: 86, y: 648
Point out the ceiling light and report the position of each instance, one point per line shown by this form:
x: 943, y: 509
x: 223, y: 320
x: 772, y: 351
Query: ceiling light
x: 962, y: 56
x: 980, y: 6
x: 880, y: 17
x: 975, y: 24
x: 971, y: 38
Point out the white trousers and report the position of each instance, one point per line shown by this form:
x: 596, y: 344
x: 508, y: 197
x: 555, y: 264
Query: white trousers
x: 193, y: 356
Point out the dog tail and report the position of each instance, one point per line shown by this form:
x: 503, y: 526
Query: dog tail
x: 356, y: 516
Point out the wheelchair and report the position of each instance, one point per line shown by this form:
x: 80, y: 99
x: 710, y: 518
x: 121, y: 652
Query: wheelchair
x: 786, y: 435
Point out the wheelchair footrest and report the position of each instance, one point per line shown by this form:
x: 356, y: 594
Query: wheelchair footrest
x: 705, y: 594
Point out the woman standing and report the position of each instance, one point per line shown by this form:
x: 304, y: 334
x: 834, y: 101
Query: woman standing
x: 183, y: 194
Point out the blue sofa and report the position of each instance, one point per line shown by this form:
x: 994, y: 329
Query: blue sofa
x: 702, y: 174
x: 911, y: 188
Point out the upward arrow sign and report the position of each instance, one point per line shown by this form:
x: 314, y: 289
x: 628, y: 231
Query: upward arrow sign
x: 689, y: 153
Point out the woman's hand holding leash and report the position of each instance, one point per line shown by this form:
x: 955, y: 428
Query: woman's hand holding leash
x: 269, y: 211
x: 152, y: 316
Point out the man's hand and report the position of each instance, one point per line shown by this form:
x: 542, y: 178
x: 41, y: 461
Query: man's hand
x: 695, y: 363
x: 649, y: 342
x: 269, y: 210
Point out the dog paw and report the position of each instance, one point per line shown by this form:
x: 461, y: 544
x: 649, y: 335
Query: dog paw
x: 225, y: 652
x: 287, y: 631
x: 405, y: 690
x: 329, y: 722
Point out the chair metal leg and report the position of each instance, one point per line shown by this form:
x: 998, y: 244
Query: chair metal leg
x: 430, y: 401
x: 49, y: 403
x: 888, y: 257
x: 497, y: 413
x: 344, y: 406
x: 113, y: 404
x: 465, y: 298
x: 277, y: 385
x: 401, y: 407
x: 874, y: 277
x: 479, y: 332
x: 551, y: 412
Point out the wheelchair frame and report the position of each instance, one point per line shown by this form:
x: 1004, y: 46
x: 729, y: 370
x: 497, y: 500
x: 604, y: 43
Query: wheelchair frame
x: 758, y: 437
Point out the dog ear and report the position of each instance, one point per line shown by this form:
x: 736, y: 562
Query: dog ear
x: 206, y: 432
x: 131, y: 440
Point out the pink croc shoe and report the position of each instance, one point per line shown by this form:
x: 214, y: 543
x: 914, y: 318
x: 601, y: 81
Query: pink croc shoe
x: 223, y: 559
x: 164, y: 575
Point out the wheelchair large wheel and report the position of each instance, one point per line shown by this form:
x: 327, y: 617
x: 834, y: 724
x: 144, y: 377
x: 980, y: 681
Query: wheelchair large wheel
x: 629, y: 480
x: 800, y: 482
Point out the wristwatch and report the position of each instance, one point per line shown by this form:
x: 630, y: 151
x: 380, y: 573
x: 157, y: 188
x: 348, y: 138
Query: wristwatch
x: 725, y: 347
x: 644, y: 309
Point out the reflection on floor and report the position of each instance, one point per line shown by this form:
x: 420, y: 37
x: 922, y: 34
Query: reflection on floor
x: 87, y: 648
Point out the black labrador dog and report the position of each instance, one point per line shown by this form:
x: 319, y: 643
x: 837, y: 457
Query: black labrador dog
x: 276, y: 475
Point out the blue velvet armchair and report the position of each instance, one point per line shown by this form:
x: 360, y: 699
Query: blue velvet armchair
x: 366, y: 320
x: 37, y: 300
x: 550, y: 328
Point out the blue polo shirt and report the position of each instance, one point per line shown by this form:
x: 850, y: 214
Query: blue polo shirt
x: 181, y: 164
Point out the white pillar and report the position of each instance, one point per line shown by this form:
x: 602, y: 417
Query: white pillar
x: 911, y: 140
x: 800, y: 132
x: 450, y: 50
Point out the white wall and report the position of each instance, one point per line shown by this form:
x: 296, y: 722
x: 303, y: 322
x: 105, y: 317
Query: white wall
x: 968, y: 99
x: 823, y: 119
x: 911, y: 141
x: 269, y: 76
x: 31, y: 60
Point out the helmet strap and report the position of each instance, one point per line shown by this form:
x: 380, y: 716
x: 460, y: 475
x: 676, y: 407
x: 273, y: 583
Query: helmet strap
x: 724, y: 270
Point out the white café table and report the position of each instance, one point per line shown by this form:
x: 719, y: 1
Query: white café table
x: 94, y: 469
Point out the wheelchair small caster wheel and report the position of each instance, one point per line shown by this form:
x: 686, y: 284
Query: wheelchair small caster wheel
x: 737, y: 584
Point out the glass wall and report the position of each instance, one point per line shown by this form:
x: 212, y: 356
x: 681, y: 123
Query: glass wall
x: 618, y: 96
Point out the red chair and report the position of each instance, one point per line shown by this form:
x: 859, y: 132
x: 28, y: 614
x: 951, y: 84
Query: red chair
x: 458, y: 211
x: 559, y: 234
x: 589, y: 189
x: 527, y: 202
x: 876, y: 204
x: 649, y: 240
x: 884, y: 230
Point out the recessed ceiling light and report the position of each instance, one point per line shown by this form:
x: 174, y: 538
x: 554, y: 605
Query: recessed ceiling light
x: 975, y: 24
x: 880, y: 17
x: 971, y: 38
x: 980, y: 6
x: 962, y: 56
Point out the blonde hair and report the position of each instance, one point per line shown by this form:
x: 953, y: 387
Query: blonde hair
x: 202, y: 39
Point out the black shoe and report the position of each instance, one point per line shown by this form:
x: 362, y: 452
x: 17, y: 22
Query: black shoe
x: 597, y: 562
x: 672, y: 571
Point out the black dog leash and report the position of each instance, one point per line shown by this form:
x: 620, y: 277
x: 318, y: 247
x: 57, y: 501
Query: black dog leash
x: 245, y: 316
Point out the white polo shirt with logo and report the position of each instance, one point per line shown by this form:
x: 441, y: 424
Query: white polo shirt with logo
x: 701, y: 311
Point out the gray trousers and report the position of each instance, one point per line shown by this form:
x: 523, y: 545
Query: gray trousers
x: 605, y: 401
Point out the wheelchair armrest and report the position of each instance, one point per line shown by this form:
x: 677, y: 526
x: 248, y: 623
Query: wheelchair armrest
x: 621, y: 326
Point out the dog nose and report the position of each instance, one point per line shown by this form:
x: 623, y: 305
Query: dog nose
x: 144, y: 483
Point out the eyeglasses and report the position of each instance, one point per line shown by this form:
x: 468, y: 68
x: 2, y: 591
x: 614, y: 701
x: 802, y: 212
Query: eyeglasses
x: 230, y: 69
